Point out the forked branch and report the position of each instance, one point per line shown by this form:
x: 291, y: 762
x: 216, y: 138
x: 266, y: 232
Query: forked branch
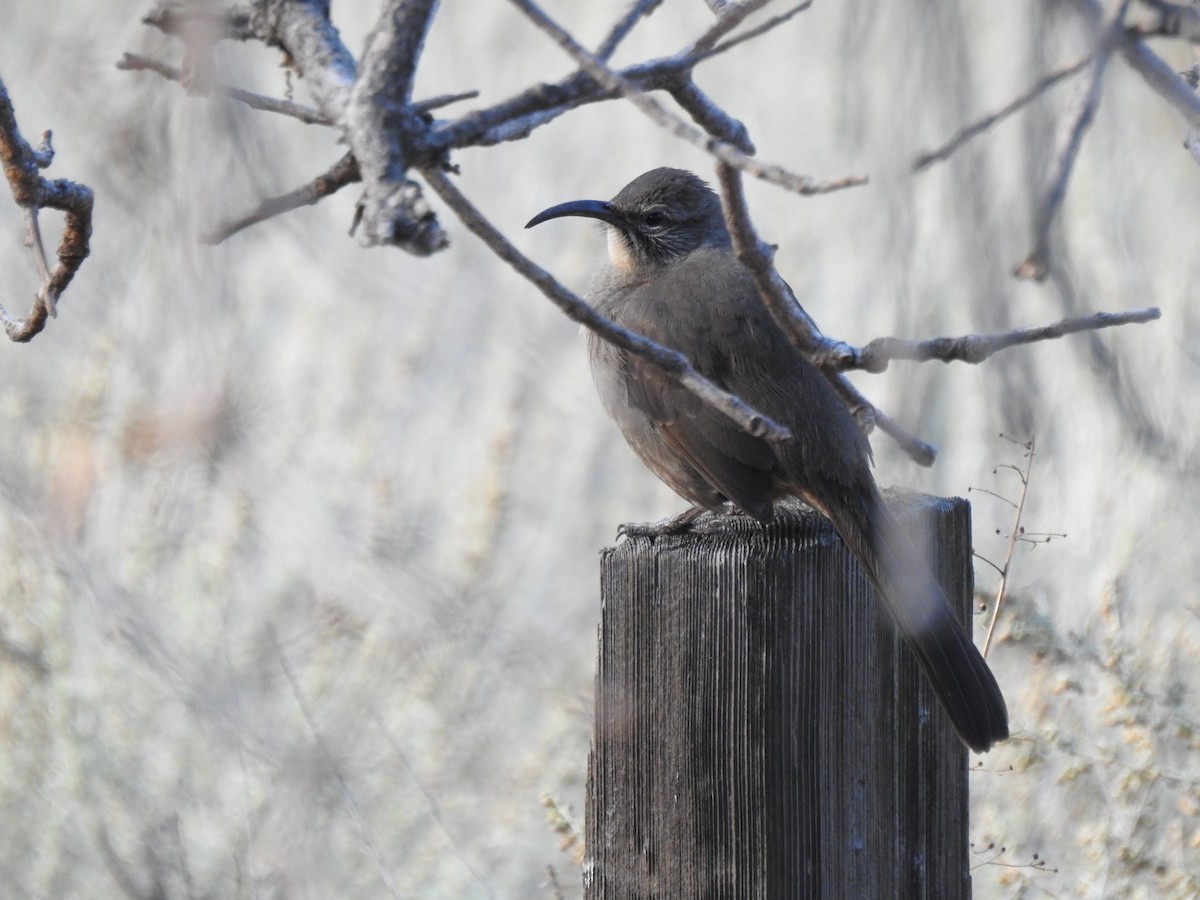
x: 33, y: 193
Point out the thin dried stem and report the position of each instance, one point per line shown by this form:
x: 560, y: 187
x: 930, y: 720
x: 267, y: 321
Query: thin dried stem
x: 1013, y: 537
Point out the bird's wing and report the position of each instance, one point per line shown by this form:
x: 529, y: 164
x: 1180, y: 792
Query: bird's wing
x: 737, y: 465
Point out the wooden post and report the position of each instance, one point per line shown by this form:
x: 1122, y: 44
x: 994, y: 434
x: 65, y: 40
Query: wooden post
x: 760, y: 732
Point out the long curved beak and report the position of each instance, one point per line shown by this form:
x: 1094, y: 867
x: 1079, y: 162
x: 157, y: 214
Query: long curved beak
x: 592, y: 209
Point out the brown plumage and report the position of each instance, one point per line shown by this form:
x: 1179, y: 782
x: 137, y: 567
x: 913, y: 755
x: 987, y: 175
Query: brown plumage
x: 674, y: 278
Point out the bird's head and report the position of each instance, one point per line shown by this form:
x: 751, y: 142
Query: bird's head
x: 656, y: 219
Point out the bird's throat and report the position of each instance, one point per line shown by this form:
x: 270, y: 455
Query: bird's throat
x: 620, y: 254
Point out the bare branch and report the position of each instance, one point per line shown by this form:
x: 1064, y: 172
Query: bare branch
x: 673, y: 364
x: 712, y: 118
x: 515, y: 118
x: 303, y: 29
x: 638, y: 10
x: 920, y: 452
x: 131, y: 62
x: 21, y: 164
x: 869, y: 417
x: 975, y: 348
x: 723, y: 150
x: 1036, y: 264
x: 1113, y: 35
x: 401, y: 33
x: 384, y: 130
x: 829, y: 356
x: 344, y: 172
x: 833, y: 357
x: 1160, y: 76
x: 759, y: 258
x: 987, y: 121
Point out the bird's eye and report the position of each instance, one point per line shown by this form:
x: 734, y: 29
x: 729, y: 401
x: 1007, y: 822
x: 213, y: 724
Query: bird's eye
x: 656, y: 218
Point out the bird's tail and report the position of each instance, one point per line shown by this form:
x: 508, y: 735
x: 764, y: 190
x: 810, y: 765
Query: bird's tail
x: 952, y: 663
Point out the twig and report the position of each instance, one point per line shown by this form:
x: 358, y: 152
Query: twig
x: 920, y: 452
x: 870, y: 417
x: 758, y: 257
x: 32, y: 192
x: 131, y: 62
x: 515, y: 118
x: 638, y: 10
x: 673, y: 364
x: 722, y: 150
x: 1161, y: 77
x: 985, y: 122
x: 729, y: 17
x: 975, y: 348
x: 1037, y: 864
x: 347, y: 794
x: 425, y: 106
x: 710, y: 117
x: 828, y: 355
x: 750, y: 33
x: 344, y: 172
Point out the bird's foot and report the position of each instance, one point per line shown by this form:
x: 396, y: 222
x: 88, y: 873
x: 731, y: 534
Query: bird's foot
x: 695, y: 520
x: 676, y: 524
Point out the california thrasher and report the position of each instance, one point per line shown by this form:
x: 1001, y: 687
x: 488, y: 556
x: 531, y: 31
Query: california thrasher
x: 673, y: 277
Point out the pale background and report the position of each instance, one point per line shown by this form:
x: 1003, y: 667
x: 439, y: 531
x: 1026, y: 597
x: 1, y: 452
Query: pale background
x: 394, y: 471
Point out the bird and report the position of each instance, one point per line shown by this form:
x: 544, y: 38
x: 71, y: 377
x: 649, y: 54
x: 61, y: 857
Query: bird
x: 673, y: 276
